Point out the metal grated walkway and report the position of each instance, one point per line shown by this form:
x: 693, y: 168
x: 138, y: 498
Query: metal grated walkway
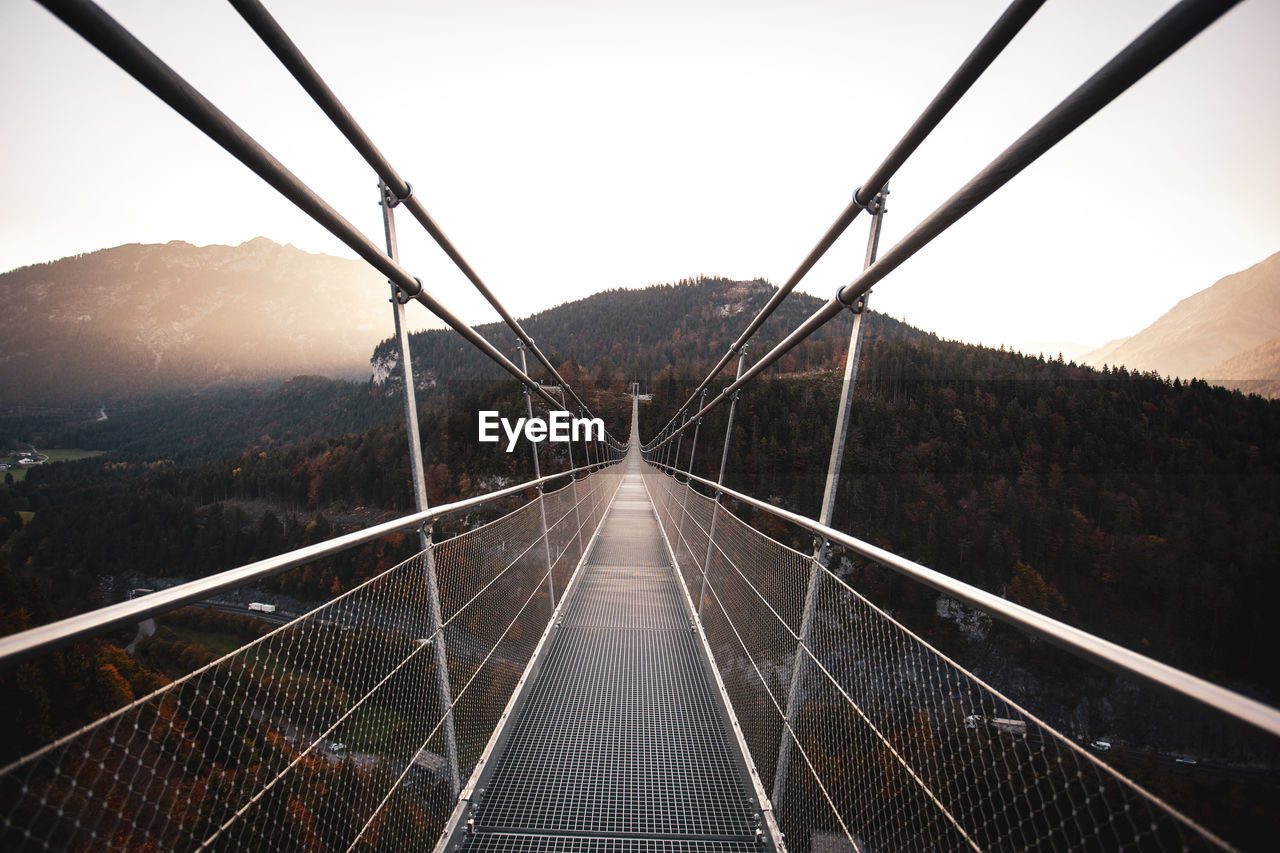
x: 621, y: 742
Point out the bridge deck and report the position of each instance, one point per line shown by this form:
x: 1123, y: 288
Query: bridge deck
x: 621, y: 742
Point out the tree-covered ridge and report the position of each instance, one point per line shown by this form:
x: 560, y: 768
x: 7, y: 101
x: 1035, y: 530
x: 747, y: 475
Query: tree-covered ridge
x: 1143, y: 510
x: 109, y: 517
x: 620, y: 335
x: 211, y: 423
x: 1140, y: 509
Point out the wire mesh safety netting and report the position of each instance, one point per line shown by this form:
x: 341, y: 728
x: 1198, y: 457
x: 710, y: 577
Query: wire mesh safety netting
x: 891, y: 745
x: 336, y: 731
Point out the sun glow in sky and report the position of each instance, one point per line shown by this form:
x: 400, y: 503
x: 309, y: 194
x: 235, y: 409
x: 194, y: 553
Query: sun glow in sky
x: 570, y: 147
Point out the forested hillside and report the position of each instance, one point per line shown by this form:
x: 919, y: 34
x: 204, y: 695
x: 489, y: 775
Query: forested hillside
x: 212, y: 423
x: 108, y: 517
x: 78, y: 535
x: 1145, y: 510
x: 613, y: 337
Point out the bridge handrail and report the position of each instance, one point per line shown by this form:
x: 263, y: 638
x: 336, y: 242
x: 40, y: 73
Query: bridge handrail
x: 123, y: 48
x: 1072, y: 639
x: 284, y: 48
x: 35, y: 641
x: 997, y: 38
x: 1157, y: 43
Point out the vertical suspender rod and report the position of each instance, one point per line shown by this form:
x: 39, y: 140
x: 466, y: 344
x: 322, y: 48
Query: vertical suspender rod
x: 537, y: 475
x: 839, y: 435
x: 715, y: 507
x: 573, y: 482
x: 398, y: 300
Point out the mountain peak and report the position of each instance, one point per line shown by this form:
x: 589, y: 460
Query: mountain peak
x: 262, y: 244
x: 156, y: 317
x: 1237, y: 313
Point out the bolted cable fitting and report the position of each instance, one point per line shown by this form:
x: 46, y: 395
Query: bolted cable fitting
x: 394, y: 200
x: 401, y: 297
x: 876, y: 205
x: 857, y: 306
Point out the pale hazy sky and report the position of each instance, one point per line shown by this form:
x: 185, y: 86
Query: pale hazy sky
x: 569, y: 147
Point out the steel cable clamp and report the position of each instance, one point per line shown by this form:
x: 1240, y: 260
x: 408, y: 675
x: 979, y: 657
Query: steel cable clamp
x: 394, y: 200
x: 858, y: 305
x: 876, y: 205
x: 402, y: 298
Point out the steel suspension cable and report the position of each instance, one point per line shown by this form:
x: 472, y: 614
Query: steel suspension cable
x: 1158, y: 42
x: 122, y: 47
x: 979, y: 59
x: 278, y: 41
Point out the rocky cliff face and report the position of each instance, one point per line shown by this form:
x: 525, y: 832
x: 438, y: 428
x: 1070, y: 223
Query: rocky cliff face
x: 1199, y: 335
x: 143, y: 318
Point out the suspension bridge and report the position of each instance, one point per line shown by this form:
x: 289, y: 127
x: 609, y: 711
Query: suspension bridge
x: 620, y: 662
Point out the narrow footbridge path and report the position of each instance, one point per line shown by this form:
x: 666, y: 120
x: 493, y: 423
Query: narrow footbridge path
x: 543, y: 680
x: 621, y: 741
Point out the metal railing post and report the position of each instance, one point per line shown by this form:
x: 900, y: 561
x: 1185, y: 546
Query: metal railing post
x: 820, y: 555
x: 398, y: 299
x: 688, y: 484
x: 573, y: 481
x: 680, y: 438
x: 596, y: 443
x: 715, y: 507
x: 537, y: 475
x: 586, y: 439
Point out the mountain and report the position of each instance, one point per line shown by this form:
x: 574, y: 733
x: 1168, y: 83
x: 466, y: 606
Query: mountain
x: 1143, y: 510
x: 660, y: 331
x: 1105, y: 354
x: 144, y: 318
x: 1237, y: 313
x: 1070, y: 350
x: 1255, y: 371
